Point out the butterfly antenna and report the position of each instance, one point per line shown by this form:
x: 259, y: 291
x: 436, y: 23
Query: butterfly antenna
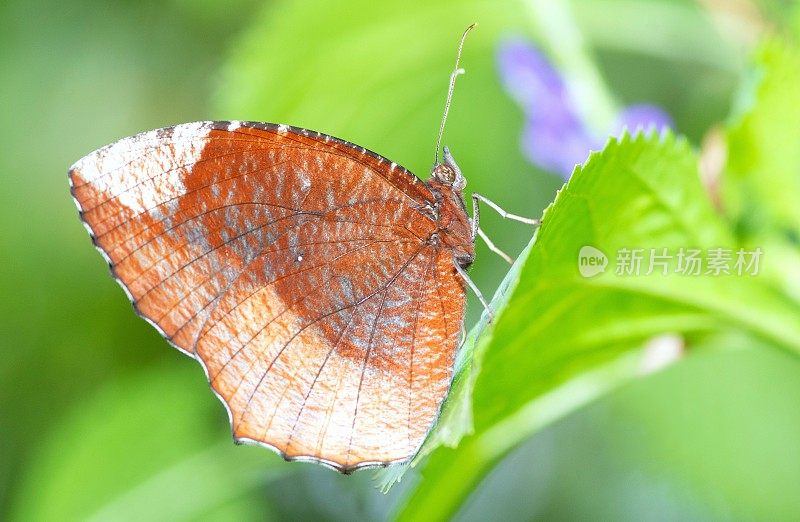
x: 456, y: 72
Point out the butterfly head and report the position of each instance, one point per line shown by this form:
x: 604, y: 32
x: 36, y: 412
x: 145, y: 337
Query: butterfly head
x: 448, y: 172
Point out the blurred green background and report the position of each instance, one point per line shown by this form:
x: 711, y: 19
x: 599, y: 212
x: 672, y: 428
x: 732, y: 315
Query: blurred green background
x: 100, y: 418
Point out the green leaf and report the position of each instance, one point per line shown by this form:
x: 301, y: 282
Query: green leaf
x: 145, y: 448
x: 762, y: 182
x: 375, y: 75
x: 564, y: 340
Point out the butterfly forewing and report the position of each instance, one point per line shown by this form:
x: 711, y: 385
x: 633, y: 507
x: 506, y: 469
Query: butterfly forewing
x: 298, y: 268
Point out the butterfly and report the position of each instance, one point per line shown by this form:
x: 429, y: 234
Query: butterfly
x: 320, y: 285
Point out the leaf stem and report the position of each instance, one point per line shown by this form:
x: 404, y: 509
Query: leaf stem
x: 478, y: 453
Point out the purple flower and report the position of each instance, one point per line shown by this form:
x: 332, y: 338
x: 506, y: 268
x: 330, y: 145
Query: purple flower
x: 555, y: 137
x: 641, y: 115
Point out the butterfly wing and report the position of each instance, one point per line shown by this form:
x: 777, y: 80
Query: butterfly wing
x: 296, y: 268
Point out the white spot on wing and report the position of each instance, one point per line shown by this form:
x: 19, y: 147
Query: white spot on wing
x: 305, y: 182
x: 233, y: 125
x: 124, y: 169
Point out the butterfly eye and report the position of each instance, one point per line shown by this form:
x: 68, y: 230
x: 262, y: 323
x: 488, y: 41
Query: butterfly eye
x: 445, y: 174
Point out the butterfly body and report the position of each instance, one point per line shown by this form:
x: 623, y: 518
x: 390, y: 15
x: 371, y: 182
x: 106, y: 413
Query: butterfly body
x: 454, y: 230
x: 314, y: 280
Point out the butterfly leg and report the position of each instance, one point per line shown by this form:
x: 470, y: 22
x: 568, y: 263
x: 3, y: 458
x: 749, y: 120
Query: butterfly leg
x: 506, y: 215
x: 475, y: 289
x: 476, y: 230
x: 493, y: 247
